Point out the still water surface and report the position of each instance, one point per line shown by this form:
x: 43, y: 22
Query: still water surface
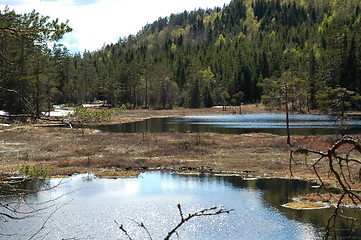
x: 96, y: 207
x: 300, y: 124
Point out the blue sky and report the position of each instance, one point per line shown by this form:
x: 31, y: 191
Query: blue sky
x: 99, y: 22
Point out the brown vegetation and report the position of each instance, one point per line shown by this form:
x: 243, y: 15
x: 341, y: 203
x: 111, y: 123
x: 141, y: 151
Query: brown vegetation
x: 305, y: 205
x: 66, y: 151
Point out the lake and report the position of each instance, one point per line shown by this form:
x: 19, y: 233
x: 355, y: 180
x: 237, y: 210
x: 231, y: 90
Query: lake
x: 94, y: 208
x: 300, y: 124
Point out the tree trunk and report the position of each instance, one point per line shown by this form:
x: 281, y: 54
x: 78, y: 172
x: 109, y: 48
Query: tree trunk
x: 287, y: 118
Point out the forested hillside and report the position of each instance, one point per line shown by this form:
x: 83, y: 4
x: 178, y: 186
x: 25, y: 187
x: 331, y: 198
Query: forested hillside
x: 247, y: 51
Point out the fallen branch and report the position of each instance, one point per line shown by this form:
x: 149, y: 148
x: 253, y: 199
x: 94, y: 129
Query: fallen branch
x: 37, y: 117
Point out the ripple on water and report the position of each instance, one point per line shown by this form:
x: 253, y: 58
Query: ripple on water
x: 96, y: 207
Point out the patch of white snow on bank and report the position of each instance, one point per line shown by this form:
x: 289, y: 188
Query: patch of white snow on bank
x: 3, y: 113
x: 58, y: 112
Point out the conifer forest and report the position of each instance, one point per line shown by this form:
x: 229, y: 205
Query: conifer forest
x: 248, y: 51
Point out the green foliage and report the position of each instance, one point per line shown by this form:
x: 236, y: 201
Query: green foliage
x: 86, y: 115
x: 274, y: 90
x: 338, y: 100
x: 189, y: 59
x: 237, y: 98
x: 225, y: 96
x: 33, y: 171
x: 200, y: 87
x: 26, y: 72
x: 123, y: 107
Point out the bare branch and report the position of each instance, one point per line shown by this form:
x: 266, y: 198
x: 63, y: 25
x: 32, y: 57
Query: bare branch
x: 205, y: 212
x: 46, y: 221
x: 22, y: 98
x: 180, y: 211
x: 344, y: 170
x: 141, y: 225
x: 121, y: 228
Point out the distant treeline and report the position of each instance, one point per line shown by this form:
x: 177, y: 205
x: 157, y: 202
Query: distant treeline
x: 247, y: 51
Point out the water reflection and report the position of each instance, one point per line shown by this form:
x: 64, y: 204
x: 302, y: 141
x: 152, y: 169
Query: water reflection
x: 301, y: 124
x: 94, y: 204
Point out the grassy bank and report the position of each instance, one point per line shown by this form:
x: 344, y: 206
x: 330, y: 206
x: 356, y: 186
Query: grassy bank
x: 39, y: 150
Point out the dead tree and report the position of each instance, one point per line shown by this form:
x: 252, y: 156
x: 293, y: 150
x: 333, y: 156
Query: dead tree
x: 341, y: 166
x: 184, y: 219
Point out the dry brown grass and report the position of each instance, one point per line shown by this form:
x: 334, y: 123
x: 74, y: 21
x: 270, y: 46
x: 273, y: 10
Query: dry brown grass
x: 305, y: 205
x: 331, y: 198
x: 77, y: 150
x: 66, y: 151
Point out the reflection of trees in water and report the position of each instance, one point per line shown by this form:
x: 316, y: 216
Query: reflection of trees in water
x: 341, y: 166
x: 276, y: 192
x: 19, y: 201
x: 307, y: 125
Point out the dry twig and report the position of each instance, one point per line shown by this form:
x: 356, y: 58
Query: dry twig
x: 344, y: 169
x: 205, y: 212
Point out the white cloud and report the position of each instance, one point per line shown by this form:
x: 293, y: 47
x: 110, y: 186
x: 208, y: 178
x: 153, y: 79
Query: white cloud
x: 99, y: 22
x: 16, y: 2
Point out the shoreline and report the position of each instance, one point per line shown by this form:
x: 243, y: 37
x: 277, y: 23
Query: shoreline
x: 57, y: 151
x: 63, y: 151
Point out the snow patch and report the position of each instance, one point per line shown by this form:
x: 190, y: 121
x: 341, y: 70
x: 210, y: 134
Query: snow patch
x: 58, y: 112
x: 3, y: 113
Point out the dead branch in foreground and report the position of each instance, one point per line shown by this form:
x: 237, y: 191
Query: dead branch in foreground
x: 205, y: 212
x: 342, y: 167
x: 16, y: 207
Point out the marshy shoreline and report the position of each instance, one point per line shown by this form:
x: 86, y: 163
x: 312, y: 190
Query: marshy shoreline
x: 65, y: 151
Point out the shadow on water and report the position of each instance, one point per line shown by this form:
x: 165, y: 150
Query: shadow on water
x: 301, y: 124
x: 152, y: 199
x: 277, y: 192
